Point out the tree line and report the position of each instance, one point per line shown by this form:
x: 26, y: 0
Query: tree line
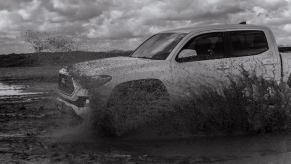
x: 49, y: 42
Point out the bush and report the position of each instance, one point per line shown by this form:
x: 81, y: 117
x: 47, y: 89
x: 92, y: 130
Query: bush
x: 249, y: 104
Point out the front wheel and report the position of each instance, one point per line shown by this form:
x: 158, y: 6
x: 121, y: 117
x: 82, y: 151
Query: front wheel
x: 135, y: 105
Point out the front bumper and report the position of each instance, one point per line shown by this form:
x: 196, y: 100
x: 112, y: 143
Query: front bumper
x: 72, y: 97
x: 65, y: 106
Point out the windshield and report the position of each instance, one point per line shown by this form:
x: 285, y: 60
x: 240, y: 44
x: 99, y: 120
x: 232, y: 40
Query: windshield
x: 158, y: 46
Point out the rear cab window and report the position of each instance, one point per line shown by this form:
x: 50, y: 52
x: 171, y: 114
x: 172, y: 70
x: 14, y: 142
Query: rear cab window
x: 247, y: 43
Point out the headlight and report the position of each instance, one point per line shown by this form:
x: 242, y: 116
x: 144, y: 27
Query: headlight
x: 63, y: 71
x: 94, y: 82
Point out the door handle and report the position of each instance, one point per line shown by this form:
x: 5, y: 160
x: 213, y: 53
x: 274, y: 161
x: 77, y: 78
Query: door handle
x: 268, y: 61
x: 223, y: 67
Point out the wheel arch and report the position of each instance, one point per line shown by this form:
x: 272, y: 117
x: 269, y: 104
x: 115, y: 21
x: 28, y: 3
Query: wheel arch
x: 142, y: 83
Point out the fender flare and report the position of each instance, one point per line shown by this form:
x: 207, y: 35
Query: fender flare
x: 149, y: 84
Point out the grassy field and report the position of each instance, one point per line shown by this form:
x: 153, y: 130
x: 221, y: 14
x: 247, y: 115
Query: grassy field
x: 54, y: 59
x: 42, y: 73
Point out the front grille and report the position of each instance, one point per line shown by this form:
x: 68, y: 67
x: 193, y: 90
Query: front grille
x: 66, y: 84
x: 80, y: 102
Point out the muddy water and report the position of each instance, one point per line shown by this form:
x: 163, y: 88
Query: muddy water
x: 13, y: 90
x: 35, y: 132
x: 243, y: 149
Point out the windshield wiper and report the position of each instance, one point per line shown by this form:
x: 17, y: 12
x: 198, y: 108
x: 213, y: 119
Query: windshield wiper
x: 144, y: 57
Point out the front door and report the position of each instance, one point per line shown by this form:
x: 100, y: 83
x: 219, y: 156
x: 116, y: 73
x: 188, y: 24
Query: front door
x: 207, y: 68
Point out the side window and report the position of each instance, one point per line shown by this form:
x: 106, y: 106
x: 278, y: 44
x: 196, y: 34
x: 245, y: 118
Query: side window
x: 207, y: 46
x: 246, y: 43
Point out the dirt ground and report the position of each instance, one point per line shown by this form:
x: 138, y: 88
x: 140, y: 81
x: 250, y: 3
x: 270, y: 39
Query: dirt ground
x: 35, y: 132
x: 32, y: 130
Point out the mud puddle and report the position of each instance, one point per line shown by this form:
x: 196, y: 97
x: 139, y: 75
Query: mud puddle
x: 15, y: 92
x: 7, y: 90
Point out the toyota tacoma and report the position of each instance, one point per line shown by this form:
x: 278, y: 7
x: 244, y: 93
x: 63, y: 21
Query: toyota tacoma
x: 173, y: 60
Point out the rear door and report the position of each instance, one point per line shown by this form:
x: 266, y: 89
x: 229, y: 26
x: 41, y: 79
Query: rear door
x: 250, y: 50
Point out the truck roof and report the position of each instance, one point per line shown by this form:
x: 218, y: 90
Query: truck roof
x: 217, y: 27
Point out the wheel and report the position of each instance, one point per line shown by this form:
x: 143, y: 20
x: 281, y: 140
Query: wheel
x: 135, y: 105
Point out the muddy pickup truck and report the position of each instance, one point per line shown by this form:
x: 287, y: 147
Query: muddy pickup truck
x: 171, y: 61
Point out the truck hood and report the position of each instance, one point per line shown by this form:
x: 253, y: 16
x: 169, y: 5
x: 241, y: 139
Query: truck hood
x: 111, y: 66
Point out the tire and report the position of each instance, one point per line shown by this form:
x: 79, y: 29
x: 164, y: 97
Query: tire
x: 134, y: 105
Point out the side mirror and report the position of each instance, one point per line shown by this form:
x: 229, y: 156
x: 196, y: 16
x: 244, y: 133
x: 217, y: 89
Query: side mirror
x: 187, y: 53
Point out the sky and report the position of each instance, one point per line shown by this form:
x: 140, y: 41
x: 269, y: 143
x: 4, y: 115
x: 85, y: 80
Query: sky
x: 102, y: 25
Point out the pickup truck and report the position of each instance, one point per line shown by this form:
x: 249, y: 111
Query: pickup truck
x: 173, y: 60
